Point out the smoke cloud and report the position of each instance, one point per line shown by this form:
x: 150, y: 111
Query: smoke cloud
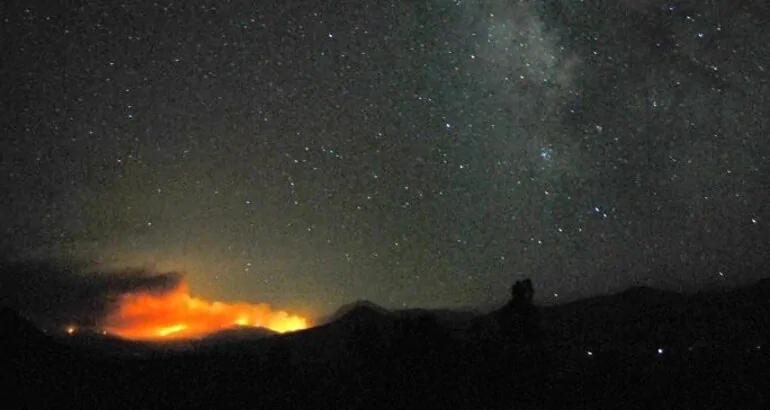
x: 58, y: 293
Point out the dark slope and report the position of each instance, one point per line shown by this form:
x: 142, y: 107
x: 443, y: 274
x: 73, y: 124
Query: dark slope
x: 361, y: 308
x: 35, y: 368
x: 352, y: 328
x: 236, y: 341
x: 87, y: 342
x: 645, y: 317
x: 20, y: 340
x: 237, y: 334
x: 369, y: 357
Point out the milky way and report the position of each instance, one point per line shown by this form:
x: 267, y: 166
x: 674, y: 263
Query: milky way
x: 308, y: 154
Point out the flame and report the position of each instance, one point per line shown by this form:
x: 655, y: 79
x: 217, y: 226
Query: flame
x: 177, y: 315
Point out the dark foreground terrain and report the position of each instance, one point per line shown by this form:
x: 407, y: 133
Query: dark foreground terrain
x: 638, y: 349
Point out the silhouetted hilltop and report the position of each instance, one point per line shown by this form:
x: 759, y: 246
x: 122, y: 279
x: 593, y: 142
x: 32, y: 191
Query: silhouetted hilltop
x: 33, y: 366
x: 90, y: 342
x: 238, y: 334
x: 368, y: 354
x: 358, y: 311
x: 13, y: 326
x: 237, y: 340
x: 20, y: 338
x: 636, y: 318
x: 642, y: 317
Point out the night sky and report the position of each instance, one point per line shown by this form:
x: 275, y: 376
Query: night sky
x: 415, y: 153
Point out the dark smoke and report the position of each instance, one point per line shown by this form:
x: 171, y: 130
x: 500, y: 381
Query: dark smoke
x: 56, y: 293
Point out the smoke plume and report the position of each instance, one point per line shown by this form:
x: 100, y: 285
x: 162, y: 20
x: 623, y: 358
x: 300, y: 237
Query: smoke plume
x: 54, y: 293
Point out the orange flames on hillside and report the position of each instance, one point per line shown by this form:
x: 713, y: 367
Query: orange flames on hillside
x: 177, y: 315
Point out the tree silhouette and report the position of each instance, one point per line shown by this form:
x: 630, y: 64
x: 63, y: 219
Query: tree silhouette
x: 522, y: 293
x: 521, y: 321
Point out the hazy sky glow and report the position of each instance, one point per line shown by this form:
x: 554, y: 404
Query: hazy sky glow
x: 306, y: 154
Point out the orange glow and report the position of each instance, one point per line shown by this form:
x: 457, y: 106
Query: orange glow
x: 70, y: 330
x: 177, y: 315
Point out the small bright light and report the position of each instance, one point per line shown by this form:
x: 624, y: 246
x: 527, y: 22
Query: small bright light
x: 590, y: 353
x: 660, y: 350
x: 545, y: 153
x: 70, y: 330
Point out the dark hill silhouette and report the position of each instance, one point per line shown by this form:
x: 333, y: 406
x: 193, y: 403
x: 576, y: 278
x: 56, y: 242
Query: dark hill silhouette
x: 33, y: 366
x: 351, y: 328
x: 14, y: 328
x: 238, y: 334
x: 367, y: 356
x: 90, y: 342
x: 361, y: 313
x: 22, y: 340
x: 238, y: 341
x: 643, y: 318
x: 361, y: 310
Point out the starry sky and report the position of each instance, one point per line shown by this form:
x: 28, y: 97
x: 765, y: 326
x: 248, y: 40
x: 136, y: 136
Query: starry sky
x: 413, y: 153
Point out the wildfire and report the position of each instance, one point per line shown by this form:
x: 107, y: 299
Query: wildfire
x: 177, y: 315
